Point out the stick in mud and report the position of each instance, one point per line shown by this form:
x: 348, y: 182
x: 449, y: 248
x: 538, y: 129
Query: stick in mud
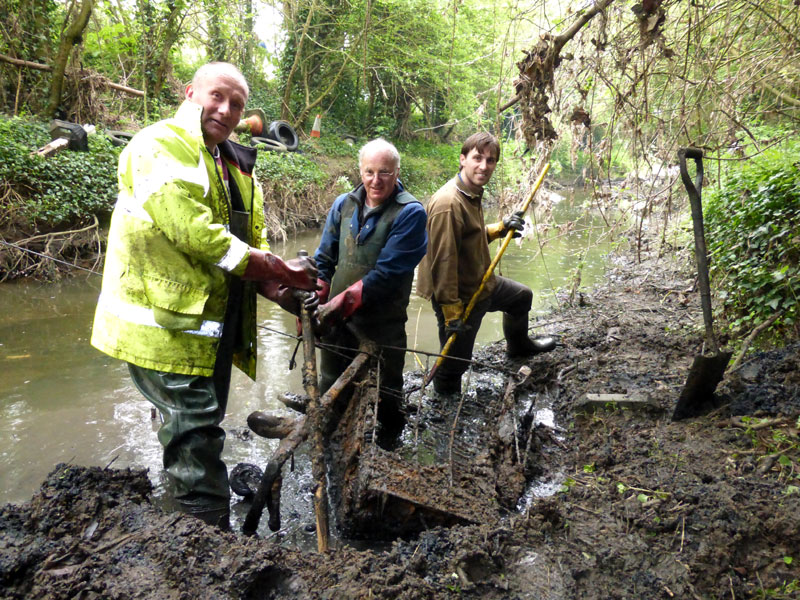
x: 287, y: 446
x: 314, y: 416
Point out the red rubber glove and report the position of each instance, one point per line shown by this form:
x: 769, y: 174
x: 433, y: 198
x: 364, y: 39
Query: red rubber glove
x: 298, y: 273
x: 340, y: 307
x: 323, y: 290
x: 286, y: 298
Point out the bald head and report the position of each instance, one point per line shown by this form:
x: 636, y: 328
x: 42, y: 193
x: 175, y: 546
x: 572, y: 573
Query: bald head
x: 213, y: 70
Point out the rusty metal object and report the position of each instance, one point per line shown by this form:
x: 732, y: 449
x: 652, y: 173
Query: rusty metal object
x: 296, y: 402
x: 377, y: 493
x: 445, y: 477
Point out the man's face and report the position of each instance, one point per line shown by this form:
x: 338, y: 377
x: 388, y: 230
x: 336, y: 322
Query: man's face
x: 222, y: 98
x: 379, y: 176
x: 477, y: 167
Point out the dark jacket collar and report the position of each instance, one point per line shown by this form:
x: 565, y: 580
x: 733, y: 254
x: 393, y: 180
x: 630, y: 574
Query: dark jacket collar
x: 243, y: 157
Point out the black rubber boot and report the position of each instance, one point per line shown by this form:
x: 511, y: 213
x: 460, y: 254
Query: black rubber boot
x: 207, y: 510
x: 391, y: 422
x: 447, y: 385
x: 515, y: 328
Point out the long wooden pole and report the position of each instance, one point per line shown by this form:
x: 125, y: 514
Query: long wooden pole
x: 318, y: 470
x: 506, y: 241
x: 32, y: 65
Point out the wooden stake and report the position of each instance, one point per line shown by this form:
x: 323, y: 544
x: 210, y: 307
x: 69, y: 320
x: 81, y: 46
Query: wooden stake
x: 288, y: 445
x: 318, y: 470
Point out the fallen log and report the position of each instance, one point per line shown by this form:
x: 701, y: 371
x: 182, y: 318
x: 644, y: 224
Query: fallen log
x: 38, y: 66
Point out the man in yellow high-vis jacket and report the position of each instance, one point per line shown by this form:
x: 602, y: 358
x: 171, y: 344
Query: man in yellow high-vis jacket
x: 187, y: 255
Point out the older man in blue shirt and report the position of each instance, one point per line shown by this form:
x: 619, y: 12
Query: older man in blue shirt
x: 373, y: 239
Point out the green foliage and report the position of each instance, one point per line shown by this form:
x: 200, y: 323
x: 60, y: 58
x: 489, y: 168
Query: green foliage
x: 330, y: 145
x: 291, y: 171
x: 426, y: 166
x: 30, y: 32
x: 65, y: 188
x: 266, y: 97
x: 400, y: 69
x: 107, y: 46
x: 752, y: 225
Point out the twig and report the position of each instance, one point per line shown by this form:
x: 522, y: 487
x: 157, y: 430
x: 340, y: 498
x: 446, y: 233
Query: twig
x: 455, y: 424
x: 753, y: 335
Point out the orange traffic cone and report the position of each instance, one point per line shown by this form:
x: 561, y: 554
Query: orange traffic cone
x: 315, y: 128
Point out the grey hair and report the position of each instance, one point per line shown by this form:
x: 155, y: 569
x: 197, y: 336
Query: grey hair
x: 221, y: 68
x: 379, y: 145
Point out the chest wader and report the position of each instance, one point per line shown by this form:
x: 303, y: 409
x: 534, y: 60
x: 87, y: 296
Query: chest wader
x: 383, y: 323
x: 192, y: 406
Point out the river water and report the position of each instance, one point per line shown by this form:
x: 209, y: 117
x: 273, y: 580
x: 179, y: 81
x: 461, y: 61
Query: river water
x: 63, y: 401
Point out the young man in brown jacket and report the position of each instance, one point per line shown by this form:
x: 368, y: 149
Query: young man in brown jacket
x: 457, y: 258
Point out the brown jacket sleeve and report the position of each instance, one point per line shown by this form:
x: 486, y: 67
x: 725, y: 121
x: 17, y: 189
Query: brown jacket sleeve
x: 444, y: 243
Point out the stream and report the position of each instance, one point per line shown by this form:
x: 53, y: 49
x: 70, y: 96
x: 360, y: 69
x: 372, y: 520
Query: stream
x: 63, y: 401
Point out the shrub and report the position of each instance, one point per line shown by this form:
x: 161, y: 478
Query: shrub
x: 752, y: 225
x: 294, y: 191
x: 59, y: 190
x: 332, y: 145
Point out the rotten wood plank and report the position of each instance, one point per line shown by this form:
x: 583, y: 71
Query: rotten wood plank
x: 633, y: 400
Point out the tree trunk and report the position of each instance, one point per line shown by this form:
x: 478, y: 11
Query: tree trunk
x: 287, y: 91
x: 248, y: 67
x: 72, y: 35
x: 216, y: 42
x: 171, y: 34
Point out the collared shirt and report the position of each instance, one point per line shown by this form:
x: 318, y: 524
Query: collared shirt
x: 458, y: 247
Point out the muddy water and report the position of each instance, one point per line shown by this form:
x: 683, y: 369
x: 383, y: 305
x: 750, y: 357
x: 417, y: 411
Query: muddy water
x: 61, y: 400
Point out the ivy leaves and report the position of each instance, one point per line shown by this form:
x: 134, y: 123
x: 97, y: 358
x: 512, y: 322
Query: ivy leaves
x: 63, y: 189
x: 753, y: 222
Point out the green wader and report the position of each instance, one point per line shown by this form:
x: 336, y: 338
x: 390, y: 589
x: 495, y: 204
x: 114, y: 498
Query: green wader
x: 192, y: 408
x: 384, y: 324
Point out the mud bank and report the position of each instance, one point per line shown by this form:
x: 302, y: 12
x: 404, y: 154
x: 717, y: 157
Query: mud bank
x: 648, y: 508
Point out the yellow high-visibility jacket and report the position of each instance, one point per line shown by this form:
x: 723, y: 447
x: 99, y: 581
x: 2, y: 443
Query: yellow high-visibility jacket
x: 171, y: 256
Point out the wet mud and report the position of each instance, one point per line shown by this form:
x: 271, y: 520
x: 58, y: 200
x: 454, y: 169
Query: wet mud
x: 608, y: 499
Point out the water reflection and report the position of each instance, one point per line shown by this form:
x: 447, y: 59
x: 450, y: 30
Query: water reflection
x: 61, y: 400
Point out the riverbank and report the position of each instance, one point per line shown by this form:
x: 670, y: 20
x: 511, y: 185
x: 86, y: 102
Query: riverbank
x: 648, y: 508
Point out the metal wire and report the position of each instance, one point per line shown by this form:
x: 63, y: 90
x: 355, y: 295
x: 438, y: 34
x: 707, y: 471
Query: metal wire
x: 58, y: 260
x: 335, y: 349
x: 343, y: 351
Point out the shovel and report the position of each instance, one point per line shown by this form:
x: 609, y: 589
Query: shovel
x: 697, y: 396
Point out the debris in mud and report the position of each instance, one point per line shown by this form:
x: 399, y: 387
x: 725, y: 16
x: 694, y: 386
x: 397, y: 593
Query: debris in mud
x: 646, y: 508
x: 768, y: 383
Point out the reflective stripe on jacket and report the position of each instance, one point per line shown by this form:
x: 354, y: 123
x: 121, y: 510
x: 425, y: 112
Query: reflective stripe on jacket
x: 171, y: 254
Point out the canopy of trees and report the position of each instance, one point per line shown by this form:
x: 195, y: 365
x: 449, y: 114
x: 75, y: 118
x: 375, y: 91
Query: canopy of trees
x: 609, y: 77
